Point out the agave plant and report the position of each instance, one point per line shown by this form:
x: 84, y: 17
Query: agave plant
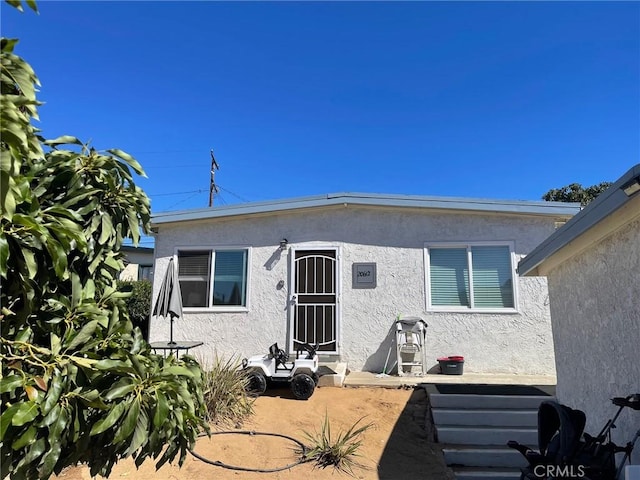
x: 341, y: 453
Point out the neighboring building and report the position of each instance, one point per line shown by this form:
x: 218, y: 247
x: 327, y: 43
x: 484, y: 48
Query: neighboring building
x: 593, y: 268
x: 338, y: 270
x: 138, y: 263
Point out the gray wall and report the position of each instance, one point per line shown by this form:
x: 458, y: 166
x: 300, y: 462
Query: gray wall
x: 394, y: 239
x: 595, y: 307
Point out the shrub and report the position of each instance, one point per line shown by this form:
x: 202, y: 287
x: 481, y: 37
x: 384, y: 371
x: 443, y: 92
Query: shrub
x: 340, y: 453
x: 139, y: 303
x: 224, y: 387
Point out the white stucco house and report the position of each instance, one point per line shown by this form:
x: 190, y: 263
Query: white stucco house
x: 338, y: 269
x: 138, y: 263
x: 593, y: 268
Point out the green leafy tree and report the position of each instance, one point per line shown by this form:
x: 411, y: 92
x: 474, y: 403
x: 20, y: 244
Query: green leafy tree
x: 78, y: 383
x: 576, y: 193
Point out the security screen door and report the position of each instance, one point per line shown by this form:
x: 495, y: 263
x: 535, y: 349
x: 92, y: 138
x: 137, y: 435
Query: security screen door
x: 314, y: 299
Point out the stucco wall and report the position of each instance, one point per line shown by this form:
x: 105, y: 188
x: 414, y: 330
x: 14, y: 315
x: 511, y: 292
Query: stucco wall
x: 394, y: 239
x: 130, y: 272
x: 595, y: 307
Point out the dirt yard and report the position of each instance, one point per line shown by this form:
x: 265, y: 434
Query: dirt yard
x: 397, y: 447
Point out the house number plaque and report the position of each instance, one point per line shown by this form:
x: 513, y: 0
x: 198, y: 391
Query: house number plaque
x: 364, y: 275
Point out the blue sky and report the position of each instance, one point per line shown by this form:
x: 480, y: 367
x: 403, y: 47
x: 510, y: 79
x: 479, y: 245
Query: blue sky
x: 481, y: 99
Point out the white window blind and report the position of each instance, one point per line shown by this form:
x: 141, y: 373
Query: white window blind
x: 449, y: 277
x: 210, y: 278
x: 471, y: 276
x: 492, y: 283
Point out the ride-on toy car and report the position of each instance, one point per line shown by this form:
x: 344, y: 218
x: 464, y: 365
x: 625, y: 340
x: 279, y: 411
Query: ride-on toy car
x: 301, y: 373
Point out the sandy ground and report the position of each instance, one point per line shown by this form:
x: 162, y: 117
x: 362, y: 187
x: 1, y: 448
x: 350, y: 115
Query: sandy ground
x: 397, y: 447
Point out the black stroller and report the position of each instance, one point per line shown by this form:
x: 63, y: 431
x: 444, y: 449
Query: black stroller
x: 565, y: 451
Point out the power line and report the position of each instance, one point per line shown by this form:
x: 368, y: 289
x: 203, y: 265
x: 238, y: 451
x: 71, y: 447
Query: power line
x: 174, y: 193
x: 172, y: 166
x: 231, y: 193
x: 185, y: 199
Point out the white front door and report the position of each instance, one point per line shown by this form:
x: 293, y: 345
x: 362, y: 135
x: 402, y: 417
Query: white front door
x: 314, y: 299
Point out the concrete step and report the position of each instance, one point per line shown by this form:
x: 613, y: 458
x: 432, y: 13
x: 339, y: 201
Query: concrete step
x: 486, y: 435
x: 498, y: 418
x: 484, y: 402
x: 483, y: 456
x: 337, y: 371
x: 463, y: 473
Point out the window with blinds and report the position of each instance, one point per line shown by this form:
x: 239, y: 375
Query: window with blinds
x: 470, y: 276
x: 210, y: 278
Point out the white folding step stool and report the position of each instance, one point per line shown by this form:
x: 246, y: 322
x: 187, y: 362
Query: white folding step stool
x: 411, y: 334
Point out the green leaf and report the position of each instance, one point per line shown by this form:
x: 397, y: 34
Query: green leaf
x: 129, y: 159
x: 106, y: 231
x: 119, y: 391
x: 4, y: 255
x: 84, y: 335
x: 83, y: 362
x: 25, y: 414
x: 50, y: 458
x: 58, y: 426
x: 76, y: 289
x: 35, y: 451
x: 24, y: 335
x: 162, y: 410
x: 16, y: 4
x: 63, y: 140
x: 5, y: 418
x: 55, y: 344
x: 10, y: 383
x: 53, y: 394
x: 107, y: 422
x: 30, y: 262
x: 27, y: 438
x: 129, y: 422
x: 51, y: 416
x: 115, y: 365
x: 176, y: 370
x: 140, y: 434
x: 33, y: 5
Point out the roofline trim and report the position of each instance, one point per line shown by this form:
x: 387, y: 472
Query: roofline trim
x: 602, y: 207
x: 560, y: 209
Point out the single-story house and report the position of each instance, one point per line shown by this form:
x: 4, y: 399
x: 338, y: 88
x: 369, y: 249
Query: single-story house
x: 593, y: 268
x: 138, y: 263
x: 338, y: 269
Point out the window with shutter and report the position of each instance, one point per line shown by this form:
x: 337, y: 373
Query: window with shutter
x: 474, y: 276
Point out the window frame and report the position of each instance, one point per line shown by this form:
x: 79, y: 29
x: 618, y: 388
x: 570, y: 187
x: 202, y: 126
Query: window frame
x: 210, y: 281
x: 468, y: 245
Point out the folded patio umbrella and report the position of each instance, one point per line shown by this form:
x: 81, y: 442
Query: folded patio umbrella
x: 169, y: 301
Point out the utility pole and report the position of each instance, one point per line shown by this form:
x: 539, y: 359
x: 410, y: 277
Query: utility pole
x: 213, y: 188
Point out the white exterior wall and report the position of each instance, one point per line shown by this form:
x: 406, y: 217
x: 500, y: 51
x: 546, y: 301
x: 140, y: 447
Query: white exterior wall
x: 394, y: 239
x: 595, y: 306
x: 130, y: 272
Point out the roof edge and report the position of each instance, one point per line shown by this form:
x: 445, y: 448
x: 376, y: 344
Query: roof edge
x: 602, y: 207
x: 540, y: 207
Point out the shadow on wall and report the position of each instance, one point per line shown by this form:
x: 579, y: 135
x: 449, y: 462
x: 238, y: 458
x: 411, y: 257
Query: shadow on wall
x: 384, y: 359
x: 411, y: 451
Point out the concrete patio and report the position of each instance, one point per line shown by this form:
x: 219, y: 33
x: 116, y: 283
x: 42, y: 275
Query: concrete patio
x: 368, y: 379
x: 345, y: 378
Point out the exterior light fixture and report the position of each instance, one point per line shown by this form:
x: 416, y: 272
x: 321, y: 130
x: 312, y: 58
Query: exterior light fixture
x: 283, y: 244
x: 631, y: 187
